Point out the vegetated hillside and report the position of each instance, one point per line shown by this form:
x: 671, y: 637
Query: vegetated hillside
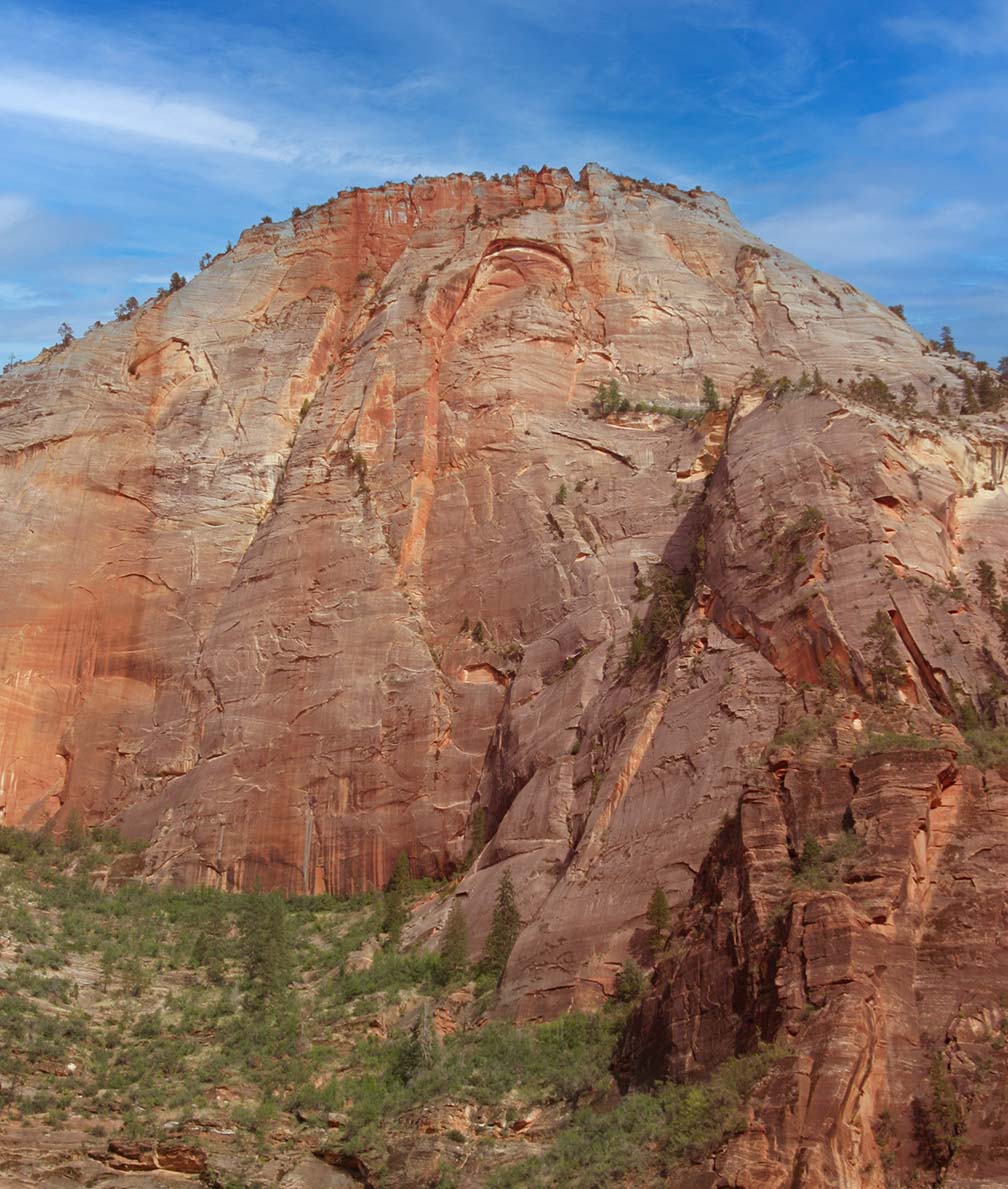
x: 556, y: 530
x: 251, y: 1040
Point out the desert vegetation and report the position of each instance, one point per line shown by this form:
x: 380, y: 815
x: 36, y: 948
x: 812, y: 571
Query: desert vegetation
x: 128, y: 1009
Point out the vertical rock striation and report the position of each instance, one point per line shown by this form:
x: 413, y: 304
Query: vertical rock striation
x: 324, y: 558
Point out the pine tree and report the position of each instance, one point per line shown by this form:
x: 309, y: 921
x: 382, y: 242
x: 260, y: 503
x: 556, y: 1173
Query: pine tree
x: 420, y: 1050
x: 505, y: 925
x: 658, y: 916
x: 1002, y: 621
x: 987, y: 582
x: 608, y: 399
x: 710, y: 395
x: 658, y: 913
x: 947, y: 341
x: 454, y: 947
x: 396, y: 914
x: 265, y: 949
x: 884, y: 657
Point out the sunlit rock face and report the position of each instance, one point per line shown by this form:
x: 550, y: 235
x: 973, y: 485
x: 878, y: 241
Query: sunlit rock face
x: 324, y: 557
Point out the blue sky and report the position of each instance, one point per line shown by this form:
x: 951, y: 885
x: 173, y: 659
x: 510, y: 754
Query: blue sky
x: 868, y: 138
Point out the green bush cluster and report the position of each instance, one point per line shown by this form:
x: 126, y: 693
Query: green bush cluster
x: 670, y: 595
x: 609, y: 400
x: 255, y: 992
x: 645, y: 1132
x: 821, y: 865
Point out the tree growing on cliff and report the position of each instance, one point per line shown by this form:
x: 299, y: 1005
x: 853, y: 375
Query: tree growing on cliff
x: 939, y: 1120
x: 987, y: 582
x: 885, y: 661
x: 127, y: 309
x: 947, y: 342
x: 454, y: 947
x: 629, y: 982
x: 609, y: 400
x: 658, y: 917
x: 505, y: 925
x: 711, y: 400
x: 66, y: 334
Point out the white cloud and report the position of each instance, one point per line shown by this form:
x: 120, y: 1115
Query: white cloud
x: 984, y: 32
x: 945, y: 120
x: 14, y: 296
x: 14, y: 209
x: 131, y: 111
x: 871, y: 228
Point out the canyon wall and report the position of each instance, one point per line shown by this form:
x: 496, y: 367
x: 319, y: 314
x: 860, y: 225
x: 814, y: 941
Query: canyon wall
x: 325, y: 557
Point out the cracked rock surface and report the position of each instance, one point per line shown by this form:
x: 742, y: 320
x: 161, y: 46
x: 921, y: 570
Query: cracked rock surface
x: 323, y: 558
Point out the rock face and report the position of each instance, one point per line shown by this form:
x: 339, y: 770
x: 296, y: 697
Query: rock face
x: 324, y: 558
x: 884, y: 984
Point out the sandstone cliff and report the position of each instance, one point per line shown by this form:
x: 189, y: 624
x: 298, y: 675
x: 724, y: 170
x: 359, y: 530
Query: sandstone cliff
x: 325, y: 558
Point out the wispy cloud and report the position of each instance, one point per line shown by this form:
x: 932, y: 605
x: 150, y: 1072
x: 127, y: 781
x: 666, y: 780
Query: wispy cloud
x: 15, y: 296
x: 977, y: 31
x: 874, y: 227
x: 14, y: 209
x: 842, y: 135
x: 130, y: 111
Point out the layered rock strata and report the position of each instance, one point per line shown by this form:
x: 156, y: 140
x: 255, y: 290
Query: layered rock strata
x: 325, y: 557
x: 879, y: 978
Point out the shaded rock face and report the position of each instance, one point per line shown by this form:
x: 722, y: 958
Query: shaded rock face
x: 873, y: 984
x: 318, y: 557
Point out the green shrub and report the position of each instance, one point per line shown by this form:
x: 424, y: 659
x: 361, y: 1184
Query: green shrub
x: 396, y: 891
x: 265, y: 950
x: 875, y: 742
x: 799, y: 736
x: 644, y: 1132
x: 658, y: 917
x: 822, y: 865
x: 670, y: 597
x: 987, y: 747
x: 630, y: 982
x: 939, y: 1120
x: 874, y: 392
x: 829, y: 674
x: 608, y: 400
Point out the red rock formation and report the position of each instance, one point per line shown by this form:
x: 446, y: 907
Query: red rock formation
x: 895, y: 963
x: 310, y: 560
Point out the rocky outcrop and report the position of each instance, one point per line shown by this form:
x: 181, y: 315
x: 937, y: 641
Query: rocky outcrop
x: 325, y: 557
x: 878, y: 966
